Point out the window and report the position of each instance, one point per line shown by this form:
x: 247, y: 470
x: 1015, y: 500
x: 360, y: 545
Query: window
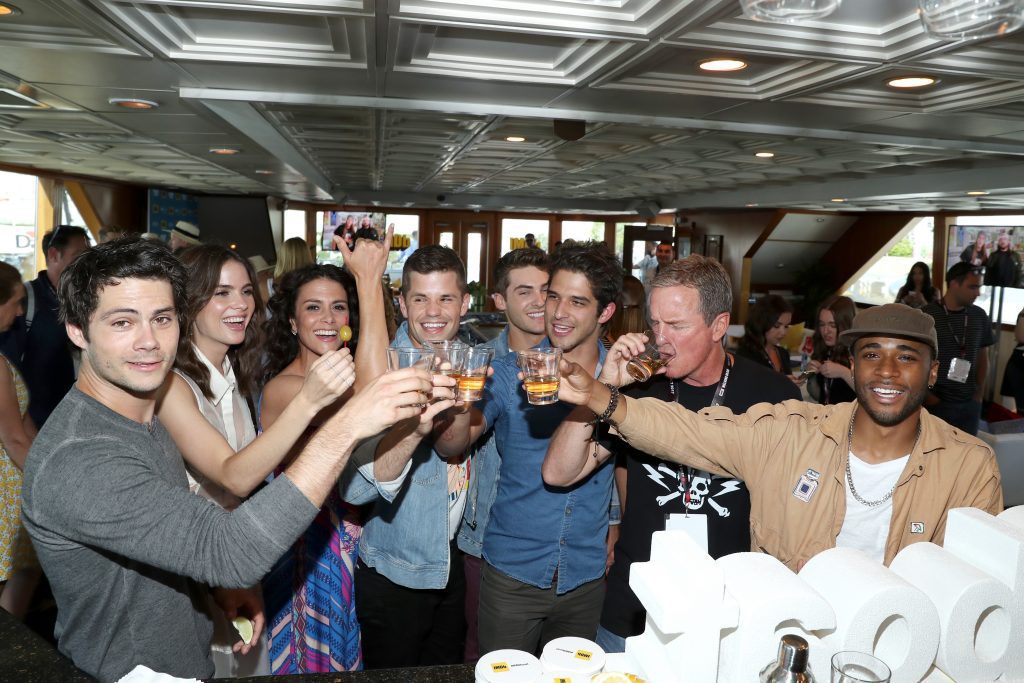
x: 881, y: 280
x: 18, y: 222
x: 518, y: 228
x: 295, y: 224
x: 583, y: 231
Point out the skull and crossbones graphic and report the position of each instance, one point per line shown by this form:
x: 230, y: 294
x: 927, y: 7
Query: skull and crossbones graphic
x: 699, y: 488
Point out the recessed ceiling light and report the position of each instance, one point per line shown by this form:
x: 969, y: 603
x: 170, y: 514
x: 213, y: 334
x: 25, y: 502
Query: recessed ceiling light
x: 722, y: 64
x: 764, y: 155
x: 263, y: 171
x: 909, y: 82
x: 837, y: 200
x: 223, y: 150
x: 977, y: 193
x: 752, y: 204
x: 515, y: 138
x: 8, y: 10
x: 133, y: 103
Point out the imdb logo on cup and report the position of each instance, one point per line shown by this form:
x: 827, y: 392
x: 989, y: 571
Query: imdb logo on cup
x: 540, y: 374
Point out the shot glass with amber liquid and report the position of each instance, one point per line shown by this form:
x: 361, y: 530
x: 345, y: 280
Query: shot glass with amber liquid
x: 643, y: 366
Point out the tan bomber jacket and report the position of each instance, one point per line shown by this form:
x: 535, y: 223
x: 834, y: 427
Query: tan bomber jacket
x: 776, y: 447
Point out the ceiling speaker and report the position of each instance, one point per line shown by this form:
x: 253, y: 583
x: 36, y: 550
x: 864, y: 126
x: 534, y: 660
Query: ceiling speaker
x: 570, y: 129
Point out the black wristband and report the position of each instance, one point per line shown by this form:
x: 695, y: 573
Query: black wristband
x: 613, y: 403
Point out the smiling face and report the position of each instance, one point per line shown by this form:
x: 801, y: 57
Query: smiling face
x: 12, y: 308
x: 433, y: 304
x: 222, y: 321
x: 133, y: 337
x: 827, y: 327
x: 891, y: 377
x: 664, y: 254
x: 693, y: 348
x: 572, y: 317
x: 524, y: 299
x: 777, y: 333
x: 321, y: 308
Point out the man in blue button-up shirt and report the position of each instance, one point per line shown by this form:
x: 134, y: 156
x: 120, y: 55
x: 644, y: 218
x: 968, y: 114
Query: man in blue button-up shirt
x: 544, y: 547
x: 521, y: 278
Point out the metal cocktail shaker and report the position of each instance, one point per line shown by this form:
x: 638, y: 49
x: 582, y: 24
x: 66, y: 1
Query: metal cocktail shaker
x: 791, y: 666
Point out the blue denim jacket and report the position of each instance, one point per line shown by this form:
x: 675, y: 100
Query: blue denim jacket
x: 483, y: 480
x: 407, y: 539
x: 536, y: 529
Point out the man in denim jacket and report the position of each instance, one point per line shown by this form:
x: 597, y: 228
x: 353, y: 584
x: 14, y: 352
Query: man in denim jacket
x: 545, y: 547
x: 521, y: 290
x: 410, y: 586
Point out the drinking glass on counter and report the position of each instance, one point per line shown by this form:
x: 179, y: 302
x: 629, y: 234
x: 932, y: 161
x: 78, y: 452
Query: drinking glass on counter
x: 540, y: 374
x: 475, y: 362
x: 642, y: 367
x: 858, y: 667
x: 411, y: 357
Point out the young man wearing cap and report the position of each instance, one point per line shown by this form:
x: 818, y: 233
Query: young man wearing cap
x: 877, y: 474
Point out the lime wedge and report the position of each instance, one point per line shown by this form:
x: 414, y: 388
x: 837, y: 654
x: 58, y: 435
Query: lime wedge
x: 244, y: 628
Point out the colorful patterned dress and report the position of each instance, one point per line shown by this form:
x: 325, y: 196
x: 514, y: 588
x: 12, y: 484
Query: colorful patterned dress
x: 15, y: 545
x: 310, y: 597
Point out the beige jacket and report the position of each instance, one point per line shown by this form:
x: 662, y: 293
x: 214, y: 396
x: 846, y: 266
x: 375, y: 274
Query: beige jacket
x: 772, y: 446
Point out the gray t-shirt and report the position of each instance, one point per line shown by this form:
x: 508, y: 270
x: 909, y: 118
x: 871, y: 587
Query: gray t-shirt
x: 123, y: 542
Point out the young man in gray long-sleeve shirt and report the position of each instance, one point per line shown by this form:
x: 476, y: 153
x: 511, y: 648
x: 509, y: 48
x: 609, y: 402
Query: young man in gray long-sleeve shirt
x: 105, y: 497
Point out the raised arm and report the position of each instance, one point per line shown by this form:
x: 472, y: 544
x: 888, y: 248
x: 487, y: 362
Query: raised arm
x: 16, y: 431
x: 205, y: 449
x: 572, y: 455
x: 367, y: 262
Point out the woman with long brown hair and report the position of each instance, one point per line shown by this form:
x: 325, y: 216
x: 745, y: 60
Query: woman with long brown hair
x: 767, y: 324
x: 204, y: 405
x: 832, y: 381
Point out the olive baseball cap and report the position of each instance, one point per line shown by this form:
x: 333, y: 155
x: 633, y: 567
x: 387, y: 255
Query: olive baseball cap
x: 893, y: 320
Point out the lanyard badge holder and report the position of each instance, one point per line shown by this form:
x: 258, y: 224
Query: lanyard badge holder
x: 695, y: 525
x: 959, y: 367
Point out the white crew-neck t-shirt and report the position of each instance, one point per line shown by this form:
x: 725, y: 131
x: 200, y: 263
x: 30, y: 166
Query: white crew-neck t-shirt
x: 867, y: 528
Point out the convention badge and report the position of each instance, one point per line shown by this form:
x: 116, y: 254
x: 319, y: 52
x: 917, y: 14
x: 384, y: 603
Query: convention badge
x: 806, y: 486
x: 695, y: 525
x: 959, y: 369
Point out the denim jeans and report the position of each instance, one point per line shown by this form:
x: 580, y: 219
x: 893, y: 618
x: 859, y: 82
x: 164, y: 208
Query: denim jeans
x: 610, y: 642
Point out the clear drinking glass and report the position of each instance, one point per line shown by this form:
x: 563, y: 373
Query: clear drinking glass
x: 448, y: 356
x: 788, y: 11
x: 410, y: 357
x: 642, y: 367
x: 858, y: 667
x: 540, y: 374
x: 970, y: 19
x: 475, y: 363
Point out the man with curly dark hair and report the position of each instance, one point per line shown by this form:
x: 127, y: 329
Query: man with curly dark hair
x: 544, y: 578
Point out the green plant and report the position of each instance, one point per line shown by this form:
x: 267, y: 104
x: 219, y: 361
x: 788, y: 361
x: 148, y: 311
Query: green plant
x: 902, y: 248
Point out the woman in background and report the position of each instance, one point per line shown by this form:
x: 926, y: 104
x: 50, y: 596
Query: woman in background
x: 976, y: 254
x: 918, y: 291
x: 293, y: 254
x: 767, y: 323
x: 19, y: 570
x: 631, y: 316
x: 832, y: 381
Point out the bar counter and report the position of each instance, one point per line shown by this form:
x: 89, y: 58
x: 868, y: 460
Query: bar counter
x: 27, y: 658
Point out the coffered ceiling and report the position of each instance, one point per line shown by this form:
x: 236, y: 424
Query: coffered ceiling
x: 409, y: 102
